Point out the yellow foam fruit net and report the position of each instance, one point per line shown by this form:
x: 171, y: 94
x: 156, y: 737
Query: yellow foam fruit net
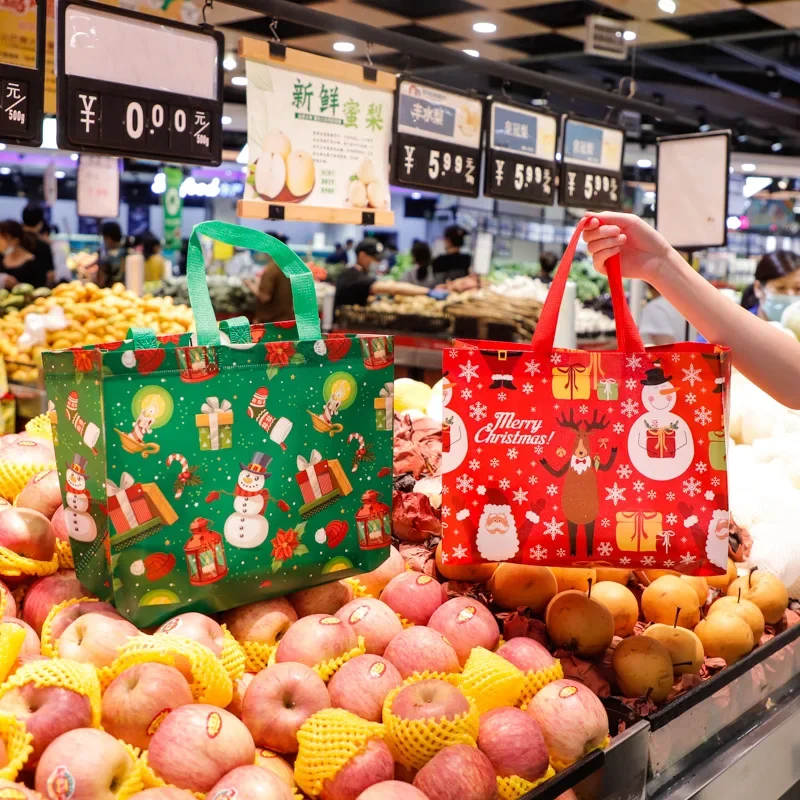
x: 18, y: 743
x: 414, y: 742
x: 64, y: 553
x: 358, y: 588
x: 513, y: 787
x: 210, y: 683
x: 49, y: 645
x: 560, y: 766
x: 13, y: 477
x: 152, y: 781
x: 3, y: 602
x: 258, y: 655
x: 134, y: 783
x: 12, y: 565
x: 490, y: 680
x: 233, y: 656
x: 61, y: 672
x: 12, y: 637
x: 536, y: 680
x: 327, y: 669
x: 40, y: 427
x: 326, y: 741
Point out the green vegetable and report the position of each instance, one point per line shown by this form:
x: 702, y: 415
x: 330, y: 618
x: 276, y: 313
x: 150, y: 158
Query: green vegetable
x: 22, y: 289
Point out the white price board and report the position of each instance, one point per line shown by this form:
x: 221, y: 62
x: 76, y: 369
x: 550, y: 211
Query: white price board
x: 98, y: 186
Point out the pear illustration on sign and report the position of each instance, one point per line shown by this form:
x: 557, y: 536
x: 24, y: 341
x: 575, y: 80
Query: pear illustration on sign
x: 280, y: 173
x: 660, y: 444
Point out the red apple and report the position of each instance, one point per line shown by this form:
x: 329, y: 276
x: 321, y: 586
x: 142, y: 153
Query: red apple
x: 373, y: 620
x: 95, y: 639
x: 361, y: 686
x: 279, y: 700
x: 251, y: 783
x: 458, y: 772
x: 198, y: 627
x: 137, y: 700
x: 512, y: 741
x: 264, y: 621
x: 59, y: 524
x: 16, y: 791
x: 429, y: 699
x: 11, y: 603
x: 84, y: 764
x: 47, y: 711
x: 44, y: 593
x: 325, y: 599
x: 315, y: 639
x: 414, y: 596
x: 372, y: 765
x: 28, y: 450
x: 465, y: 623
x: 31, y: 646
x: 41, y: 493
x: 239, y: 688
x: 197, y: 744
x: 418, y: 649
x: 164, y: 793
x: 27, y: 533
x: 375, y: 582
x: 266, y: 759
x: 392, y: 790
x: 526, y: 654
x: 68, y: 615
x: 571, y: 717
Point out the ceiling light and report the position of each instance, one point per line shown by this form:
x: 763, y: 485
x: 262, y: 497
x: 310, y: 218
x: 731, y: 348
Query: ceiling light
x: 776, y: 146
x: 344, y: 47
x: 629, y: 36
x: 473, y: 53
x: 239, y: 80
x: 229, y: 62
x: 668, y: 6
x: 704, y: 127
x: 783, y: 184
x: 484, y: 27
x: 2, y: 146
x: 734, y: 223
x: 74, y: 157
x: 558, y: 156
x: 59, y: 173
x: 748, y: 167
x: 226, y: 120
x: 644, y: 163
x: 752, y: 186
x: 5, y: 171
x: 416, y: 196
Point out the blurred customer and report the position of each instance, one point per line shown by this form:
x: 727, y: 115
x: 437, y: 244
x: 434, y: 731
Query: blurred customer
x: 776, y: 285
x: 111, y: 261
x: 273, y: 291
x: 421, y: 274
x: 661, y: 322
x: 154, y: 262
x: 338, y: 256
x: 33, y: 221
x: 453, y: 264
x: 547, y: 263
x: 18, y: 260
x: 350, y: 252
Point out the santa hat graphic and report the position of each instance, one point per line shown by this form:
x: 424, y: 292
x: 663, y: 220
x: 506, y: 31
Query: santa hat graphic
x: 497, y: 538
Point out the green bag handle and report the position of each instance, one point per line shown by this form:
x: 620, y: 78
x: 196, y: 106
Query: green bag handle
x: 143, y: 338
x: 237, y: 328
x: 303, y: 292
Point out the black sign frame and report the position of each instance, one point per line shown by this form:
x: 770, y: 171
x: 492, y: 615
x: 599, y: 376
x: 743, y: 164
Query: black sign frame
x: 16, y: 79
x: 401, y: 140
x: 188, y: 149
x: 520, y: 158
x: 582, y: 171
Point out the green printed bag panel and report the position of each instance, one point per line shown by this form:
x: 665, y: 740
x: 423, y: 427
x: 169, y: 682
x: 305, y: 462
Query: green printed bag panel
x: 243, y: 463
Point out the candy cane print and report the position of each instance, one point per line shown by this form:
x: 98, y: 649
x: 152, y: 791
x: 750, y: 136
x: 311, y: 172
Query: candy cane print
x: 171, y: 459
x: 362, y: 449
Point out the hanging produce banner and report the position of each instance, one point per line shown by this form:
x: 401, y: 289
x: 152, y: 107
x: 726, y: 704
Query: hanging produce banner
x: 437, y: 139
x: 173, y: 208
x: 521, y: 153
x: 591, y: 164
x: 139, y: 85
x: 98, y: 187
x: 318, y: 133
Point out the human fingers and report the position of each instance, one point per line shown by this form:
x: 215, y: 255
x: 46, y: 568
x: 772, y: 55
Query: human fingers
x: 602, y: 232
x: 598, y: 245
x: 599, y: 259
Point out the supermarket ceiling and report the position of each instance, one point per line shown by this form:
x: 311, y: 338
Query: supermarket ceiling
x: 728, y: 63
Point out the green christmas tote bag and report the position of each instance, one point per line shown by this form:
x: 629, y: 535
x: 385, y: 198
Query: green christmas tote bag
x: 203, y: 471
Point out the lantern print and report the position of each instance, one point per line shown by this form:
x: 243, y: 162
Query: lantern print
x: 373, y: 522
x: 205, y: 554
x: 377, y: 351
x: 196, y: 364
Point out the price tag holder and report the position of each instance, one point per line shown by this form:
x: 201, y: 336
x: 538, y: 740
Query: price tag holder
x: 436, y: 141
x: 22, y: 92
x: 591, y: 164
x: 520, y: 153
x: 130, y: 84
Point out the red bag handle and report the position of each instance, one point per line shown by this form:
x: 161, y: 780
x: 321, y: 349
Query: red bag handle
x: 628, y: 338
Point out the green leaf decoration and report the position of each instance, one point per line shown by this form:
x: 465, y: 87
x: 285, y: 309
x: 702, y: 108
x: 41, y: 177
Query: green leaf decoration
x: 276, y: 564
x: 117, y: 584
x: 300, y: 550
x: 297, y: 358
x: 271, y: 372
x: 79, y: 376
x: 300, y: 530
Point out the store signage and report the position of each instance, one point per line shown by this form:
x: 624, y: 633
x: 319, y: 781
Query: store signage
x: 591, y: 164
x: 22, y: 87
x: 172, y: 201
x: 135, y: 85
x: 437, y: 139
x: 98, y: 186
x: 520, y: 153
x: 318, y: 135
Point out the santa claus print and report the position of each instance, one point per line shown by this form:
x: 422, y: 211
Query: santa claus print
x: 497, y: 538
x: 717, y: 541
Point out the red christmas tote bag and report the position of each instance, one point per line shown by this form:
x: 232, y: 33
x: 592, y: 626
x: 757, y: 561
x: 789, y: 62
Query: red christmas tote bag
x: 572, y: 458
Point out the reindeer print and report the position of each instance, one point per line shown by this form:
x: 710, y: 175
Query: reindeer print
x: 579, y: 498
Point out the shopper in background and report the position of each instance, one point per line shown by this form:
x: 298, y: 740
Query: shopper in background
x: 18, y: 260
x: 661, y: 323
x: 154, y: 262
x: 764, y: 354
x: 776, y: 286
x: 338, y: 256
x: 421, y: 274
x: 33, y: 222
x: 273, y: 292
x: 547, y: 263
x: 350, y: 253
x: 111, y: 262
x: 453, y: 264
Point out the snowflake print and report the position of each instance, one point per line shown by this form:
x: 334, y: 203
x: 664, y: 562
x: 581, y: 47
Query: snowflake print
x: 445, y: 489
x: 691, y: 487
x: 505, y: 483
x: 466, y: 394
x: 501, y: 396
x: 615, y: 493
x: 606, y: 523
x: 474, y: 464
x: 552, y: 490
x: 538, y: 449
x: 584, y: 409
x: 630, y: 384
x: 715, y: 481
x: 688, y: 558
x: 709, y: 495
x: 701, y: 466
x: 624, y: 561
x: 468, y: 371
x: 633, y: 362
x: 520, y: 496
x: 605, y: 549
x: 495, y: 462
x: 630, y: 408
x: 477, y: 411
x: 702, y: 416
x: 553, y: 528
x: 651, y: 495
x: 533, y: 480
x: 532, y: 367
x: 464, y: 483
x: 527, y: 388
x: 669, y: 563
x: 691, y: 398
x: 638, y: 487
x: 460, y: 551
x: 692, y: 376
x: 648, y: 561
x: 672, y: 519
x: 555, y: 358
x: 445, y: 511
x: 561, y: 552
x: 512, y: 453
x: 676, y: 356
x: 538, y: 553
x: 670, y: 497
x: 624, y: 472
x: 618, y: 428
x: 445, y: 556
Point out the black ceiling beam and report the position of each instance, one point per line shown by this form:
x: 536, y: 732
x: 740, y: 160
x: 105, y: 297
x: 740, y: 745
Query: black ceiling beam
x: 330, y: 23
x: 757, y: 60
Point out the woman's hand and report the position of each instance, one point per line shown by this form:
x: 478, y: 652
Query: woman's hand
x: 644, y: 250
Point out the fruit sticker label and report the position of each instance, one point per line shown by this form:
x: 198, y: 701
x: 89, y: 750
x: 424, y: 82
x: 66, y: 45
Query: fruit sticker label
x: 60, y: 784
x: 213, y: 725
x: 377, y: 669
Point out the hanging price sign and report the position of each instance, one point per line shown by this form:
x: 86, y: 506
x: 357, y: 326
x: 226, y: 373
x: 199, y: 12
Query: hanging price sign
x: 521, y: 153
x: 591, y: 165
x: 436, y: 142
x: 138, y: 85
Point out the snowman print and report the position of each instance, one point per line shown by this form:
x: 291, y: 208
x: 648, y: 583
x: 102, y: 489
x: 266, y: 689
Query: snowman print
x: 248, y: 527
x: 660, y: 444
x: 454, y: 452
x: 80, y: 524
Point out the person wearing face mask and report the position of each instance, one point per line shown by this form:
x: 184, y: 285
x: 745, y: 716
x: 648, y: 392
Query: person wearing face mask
x: 762, y: 353
x: 776, y: 286
x: 18, y: 262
